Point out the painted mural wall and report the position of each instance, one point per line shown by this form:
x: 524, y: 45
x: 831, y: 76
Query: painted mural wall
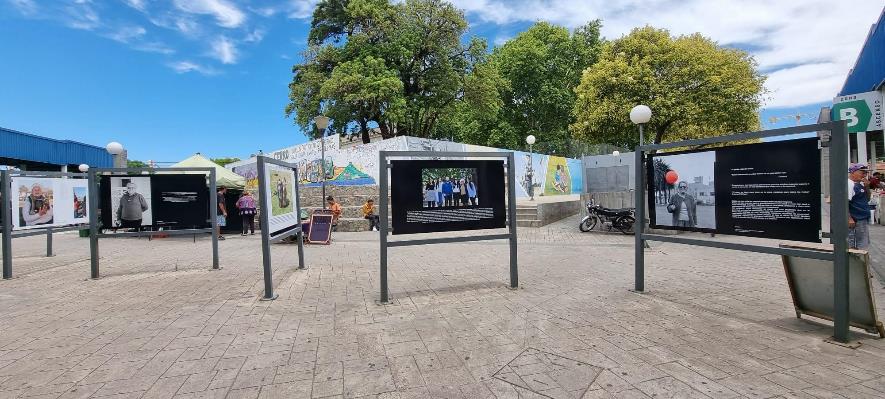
x: 358, y: 165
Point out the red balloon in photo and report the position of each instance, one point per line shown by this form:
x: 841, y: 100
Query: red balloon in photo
x: 671, y: 177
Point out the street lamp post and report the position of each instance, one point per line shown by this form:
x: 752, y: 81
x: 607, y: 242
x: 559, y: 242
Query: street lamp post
x: 115, y: 149
x: 530, y: 140
x: 640, y: 115
x: 83, y: 167
x: 322, y: 122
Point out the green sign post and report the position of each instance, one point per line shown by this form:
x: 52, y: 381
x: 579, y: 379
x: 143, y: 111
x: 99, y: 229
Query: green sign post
x: 862, y: 111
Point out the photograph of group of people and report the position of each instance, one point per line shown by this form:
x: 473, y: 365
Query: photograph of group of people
x: 449, y: 187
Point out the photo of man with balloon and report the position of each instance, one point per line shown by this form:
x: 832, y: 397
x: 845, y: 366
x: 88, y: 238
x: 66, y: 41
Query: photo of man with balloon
x: 682, y: 189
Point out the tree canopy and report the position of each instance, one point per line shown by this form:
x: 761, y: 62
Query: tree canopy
x: 225, y: 161
x: 694, y: 88
x: 400, y: 66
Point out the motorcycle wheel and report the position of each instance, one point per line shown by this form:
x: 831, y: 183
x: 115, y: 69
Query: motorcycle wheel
x: 587, y: 224
x: 625, y: 224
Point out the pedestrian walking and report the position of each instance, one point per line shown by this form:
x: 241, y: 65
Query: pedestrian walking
x: 858, y: 207
x: 246, y: 205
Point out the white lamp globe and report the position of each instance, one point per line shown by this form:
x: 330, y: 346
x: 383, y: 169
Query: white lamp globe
x: 616, y: 153
x: 321, y: 121
x: 114, y: 148
x: 640, y: 114
x: 83, y: 167
x: 530, y: 139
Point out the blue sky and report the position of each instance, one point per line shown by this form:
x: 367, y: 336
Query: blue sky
x: 168, y: 78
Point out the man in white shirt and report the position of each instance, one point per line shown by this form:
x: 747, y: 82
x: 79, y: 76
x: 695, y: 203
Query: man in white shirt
x: 683, y: 207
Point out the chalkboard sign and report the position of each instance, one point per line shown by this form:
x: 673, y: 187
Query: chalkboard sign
x: 320, y: 229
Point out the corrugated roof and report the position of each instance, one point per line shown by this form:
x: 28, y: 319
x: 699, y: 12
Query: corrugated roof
x: 868, y: 73
x: 29, y: 147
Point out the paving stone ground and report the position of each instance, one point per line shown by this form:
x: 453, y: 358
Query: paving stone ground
x: 160, y: 324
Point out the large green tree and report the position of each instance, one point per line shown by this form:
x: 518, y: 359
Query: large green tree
x: 401, y: 66
x: 694, y: 87
x: 535, y: 75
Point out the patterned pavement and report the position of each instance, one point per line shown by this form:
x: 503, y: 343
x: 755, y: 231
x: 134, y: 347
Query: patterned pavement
x: 160, y: 324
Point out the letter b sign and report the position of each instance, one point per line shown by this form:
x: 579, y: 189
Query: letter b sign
x: 856, y: 113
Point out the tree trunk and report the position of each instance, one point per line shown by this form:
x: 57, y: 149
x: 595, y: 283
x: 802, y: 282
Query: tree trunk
x: 364, y: 130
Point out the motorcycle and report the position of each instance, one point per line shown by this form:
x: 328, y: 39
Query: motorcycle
x: 622, y: 220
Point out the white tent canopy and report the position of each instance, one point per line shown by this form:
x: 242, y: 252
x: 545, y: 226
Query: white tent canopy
x: 223, y: 177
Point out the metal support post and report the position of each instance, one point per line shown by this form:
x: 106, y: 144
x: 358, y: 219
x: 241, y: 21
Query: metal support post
x: 639, y: 229
x: 7, y: 224
x: 93, y: 224
x: 511, y: 216
x: 839, y: 229
x: 300, y: 236
x: 384, y: 169
x: 213, y: 201
x: 49, y: 242
x: 265, y: 235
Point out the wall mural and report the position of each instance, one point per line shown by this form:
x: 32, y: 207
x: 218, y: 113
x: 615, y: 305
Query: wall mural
x: 358, y: 165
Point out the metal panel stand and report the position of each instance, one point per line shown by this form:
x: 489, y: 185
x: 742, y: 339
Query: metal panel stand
x: 838, y: 214
x: 264, y: 222
x: 384, y: 170
x: 95, y: 231
x: 49, y: 242
x: 7, y: 224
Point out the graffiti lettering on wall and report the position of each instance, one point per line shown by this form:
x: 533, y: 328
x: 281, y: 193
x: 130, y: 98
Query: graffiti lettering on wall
x: 358, y: 165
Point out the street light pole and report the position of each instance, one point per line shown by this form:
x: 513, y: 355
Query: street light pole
x: 321, y: 123
x: 530, y: 174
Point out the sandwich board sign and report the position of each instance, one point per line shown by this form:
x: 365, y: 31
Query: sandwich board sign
x: 863, y: 111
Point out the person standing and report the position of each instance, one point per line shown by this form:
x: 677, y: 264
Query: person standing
x: 471, y: 192
x: 246, y: 205
x: 429, y: 194
x: 683, y: 207
x: 369, y: 213
x: 447, y: 190
x: 439, y: 193
x: 221, y: 212
x: 858, y: 207
x: 462, y: 189
x: 132, y: 206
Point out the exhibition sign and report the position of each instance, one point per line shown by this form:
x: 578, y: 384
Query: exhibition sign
x: 775, y: 193
x: 172, y: 201
x: 320, y: 227
x: 447, y: 195
x: 278, y: 196
x: 862, y: 111
x: 41, y: 202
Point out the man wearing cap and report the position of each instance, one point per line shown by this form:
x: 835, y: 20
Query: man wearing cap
x: 858, y: 207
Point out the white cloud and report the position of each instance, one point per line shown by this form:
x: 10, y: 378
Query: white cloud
x: 188, y: 66
x: 127, y: 34
x: 225, y: 13
x: 224, y: 50
x: 154, y: 47
x: 266, y: 12
x: 255, y: 36
x: 807, y: 46
x: 301, y: 9
x: 81, y: 15
x: 140, y: 5
x: 26, y: 7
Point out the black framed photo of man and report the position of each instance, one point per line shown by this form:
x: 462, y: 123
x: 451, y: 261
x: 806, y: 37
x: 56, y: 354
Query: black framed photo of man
x: 172, y: 201
x: 447, y: 195
x: 42, y: 202
x: 766, y: 190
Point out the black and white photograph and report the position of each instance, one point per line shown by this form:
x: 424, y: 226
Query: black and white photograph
x: 449, y: 187
x: 131, y: 202
x: 682, y: 190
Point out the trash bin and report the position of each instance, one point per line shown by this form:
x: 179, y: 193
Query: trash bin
x: 84, y: 233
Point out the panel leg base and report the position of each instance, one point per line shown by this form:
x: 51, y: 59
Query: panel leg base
x: 215, y: 269
x: 636, y: 291
x: 850, y: 344
x: 274, y: 297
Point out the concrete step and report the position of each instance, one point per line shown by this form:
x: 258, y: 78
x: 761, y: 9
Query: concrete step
x: 529, y: 223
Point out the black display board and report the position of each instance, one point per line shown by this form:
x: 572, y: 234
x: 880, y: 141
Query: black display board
x: 427, y: 195
x: 320, y: 228
x: 168, y: 201
x: 767, y: 190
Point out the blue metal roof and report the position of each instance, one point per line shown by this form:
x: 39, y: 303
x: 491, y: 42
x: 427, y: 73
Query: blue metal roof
x: 29, y: 147
x: 868, y: 73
